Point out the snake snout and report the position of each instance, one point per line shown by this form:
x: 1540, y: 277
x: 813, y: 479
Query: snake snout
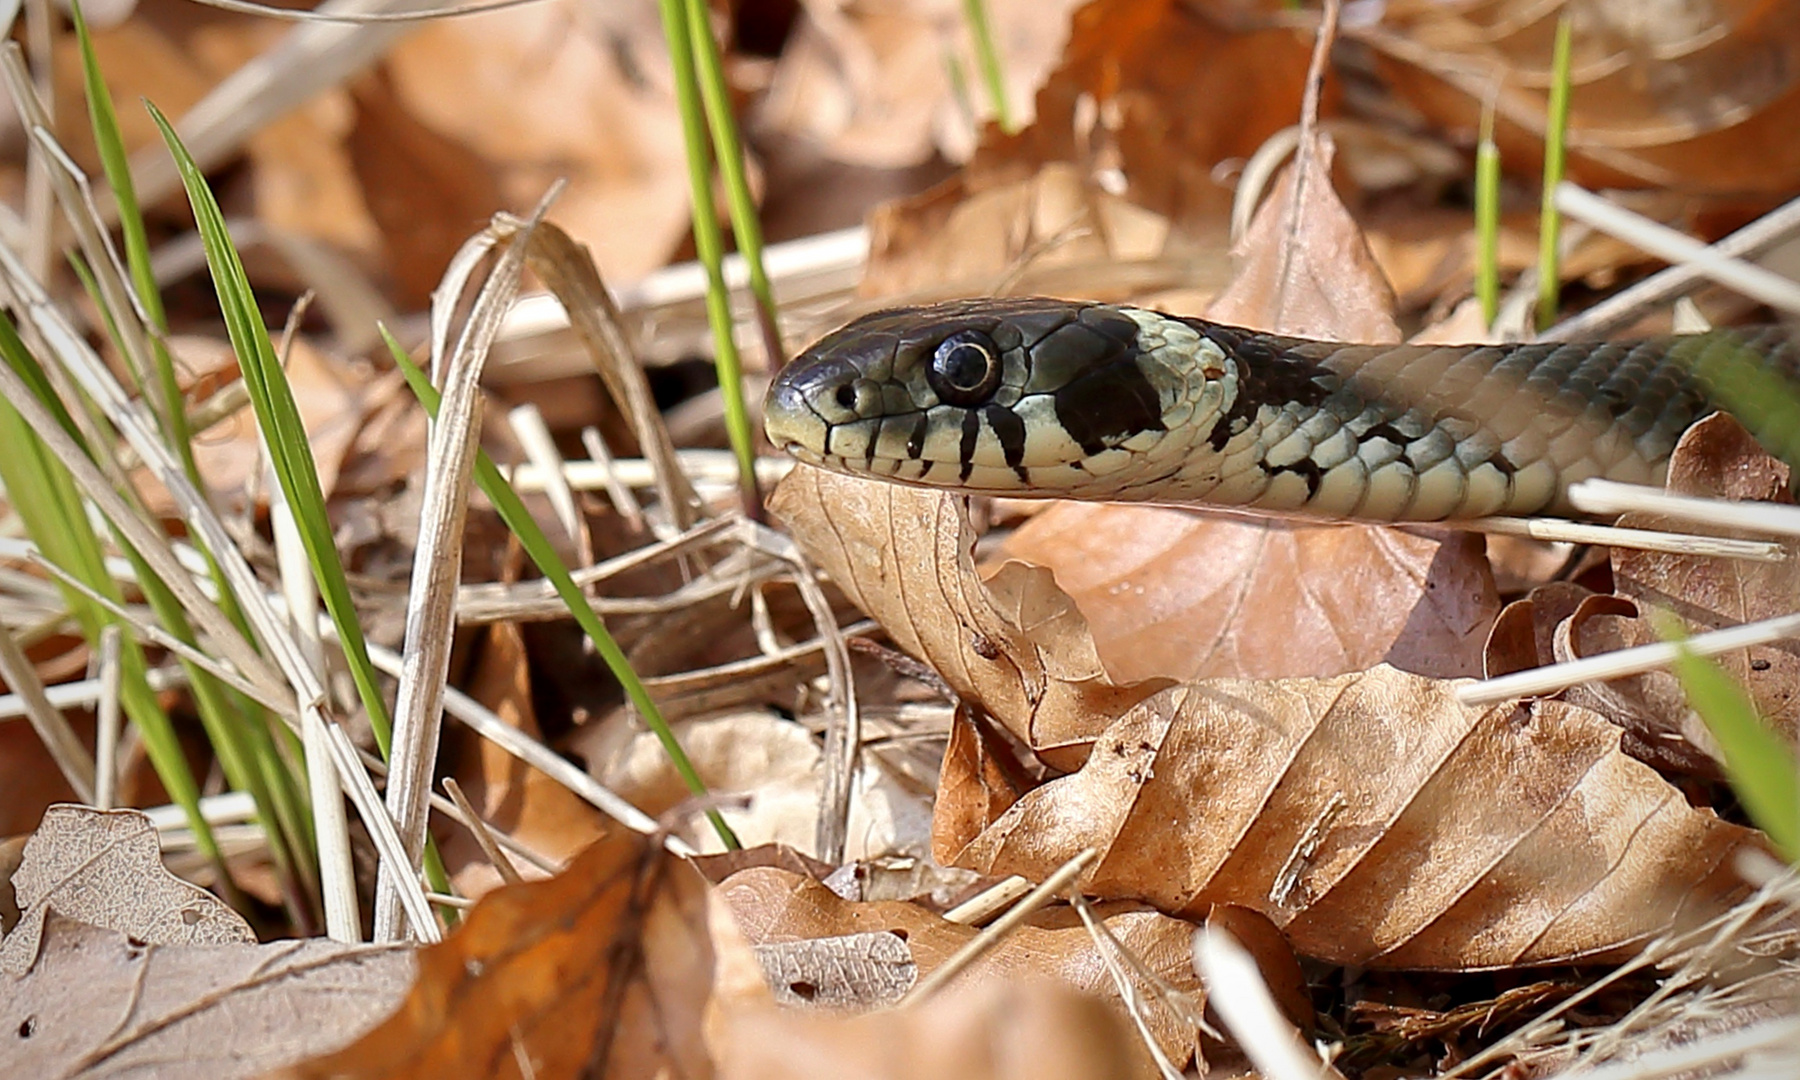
x: 806, y: 398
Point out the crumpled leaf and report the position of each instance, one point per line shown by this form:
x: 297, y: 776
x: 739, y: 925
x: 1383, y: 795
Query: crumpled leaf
x: 1015, y: 645
x: 1378, y: 822
x: 1524, y: 634
x: 104, y: 868
x: 773, y: 906
x: 98, y: 1003
x: 1027, y: 1029
x: 1368, y: 815
x: 1172, y: 593
x: 603, y: 970
x: 1718, y: 458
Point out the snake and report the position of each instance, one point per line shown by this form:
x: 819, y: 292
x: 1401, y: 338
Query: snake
x: 1039, y: 397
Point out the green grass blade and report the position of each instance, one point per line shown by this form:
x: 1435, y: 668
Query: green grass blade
x: 709, y: 244
x: 115, y: 163
x: 1556, y: 131
x: 279, y: 418
x: 746, y: 223
x: 988, y: 57
x: 512, y: 510
x: 1487, y: 220
x: 1759, y: 762
x: 44, y: 496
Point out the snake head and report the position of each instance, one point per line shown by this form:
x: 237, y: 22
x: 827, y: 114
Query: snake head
x: 1009, y: 396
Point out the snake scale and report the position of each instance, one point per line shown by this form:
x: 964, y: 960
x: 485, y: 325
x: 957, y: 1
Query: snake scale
x: 1054, y: 398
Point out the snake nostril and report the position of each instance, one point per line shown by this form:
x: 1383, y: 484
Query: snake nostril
x: 845, y: 396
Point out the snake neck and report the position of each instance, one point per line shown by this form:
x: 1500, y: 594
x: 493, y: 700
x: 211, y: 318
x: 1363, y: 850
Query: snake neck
x: 1045, y: 398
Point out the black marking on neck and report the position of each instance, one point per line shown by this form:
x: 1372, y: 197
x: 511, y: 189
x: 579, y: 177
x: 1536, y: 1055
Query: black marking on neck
x: 1503, y: 464
x: 1268, y: 373
x: 915, y: 443
x: 1109, y: 405
x: 971, y: 433
x: 1011, y: 432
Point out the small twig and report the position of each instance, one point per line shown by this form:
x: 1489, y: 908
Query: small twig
x: 107, y: 727
x: 1623, y: 662
x: 479, y: 830
x: 1575, y: 532
x: 1611, y: 497
x: 1677, y: 247
x: 1236, y: 991
x: 979, y: 945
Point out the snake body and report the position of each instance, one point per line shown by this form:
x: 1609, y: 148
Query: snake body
x: 1054, y: 398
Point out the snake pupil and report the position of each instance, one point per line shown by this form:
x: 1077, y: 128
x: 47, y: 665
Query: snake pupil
x: 965, y: 369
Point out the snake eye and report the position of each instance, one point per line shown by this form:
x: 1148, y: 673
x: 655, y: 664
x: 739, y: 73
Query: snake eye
x: 965, y: 369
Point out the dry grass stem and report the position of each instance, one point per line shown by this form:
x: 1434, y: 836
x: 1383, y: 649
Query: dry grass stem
x: 1612, y: 497
x: 1575, y: 532
x: 1623, y: 662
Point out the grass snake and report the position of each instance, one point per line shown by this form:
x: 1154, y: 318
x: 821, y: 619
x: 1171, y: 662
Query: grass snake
x: 1053, y: 398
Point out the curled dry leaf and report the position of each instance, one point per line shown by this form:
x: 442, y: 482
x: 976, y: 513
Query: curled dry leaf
x: 993, y: 1030
x: 604, y: 970
x: 774, y: 906
x: 100, y: 1004
x: 1524, y: 634
x: 1370, y: 816
x: 1016, y: 645
x: 1652, y: 709
x: 1172, y: 593
x: 1378, y: 822
x: 1718, y: 458
x: 104, y: 868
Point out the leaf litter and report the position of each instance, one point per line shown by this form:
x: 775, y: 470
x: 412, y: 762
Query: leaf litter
x: 1251, y: 724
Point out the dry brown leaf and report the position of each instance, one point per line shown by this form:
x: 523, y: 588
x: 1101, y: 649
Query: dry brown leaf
x: 1054, y: 231
x: 1160, y: 92
x: 1028, y: 1029
x: 104, y: 868
x: 1660, y: 727
x: 604, y: 970
x: 99, y: 1004
x: 1378, y: 822
x: 30, y: 778
x: 773, y: 906
x: 1171, y: 593
x: 771, y: 759
x: 561, y: 91
x: 1371, y: 817
x: 1699, y: 97
x: 1303, y: 266
x: 1718, y: 458
x: 1015, y: 646
x: 302, y: 180
x: 1524, y: 634
x: 872, y: 83
x: 331, y: 395
x: 509, y: 794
